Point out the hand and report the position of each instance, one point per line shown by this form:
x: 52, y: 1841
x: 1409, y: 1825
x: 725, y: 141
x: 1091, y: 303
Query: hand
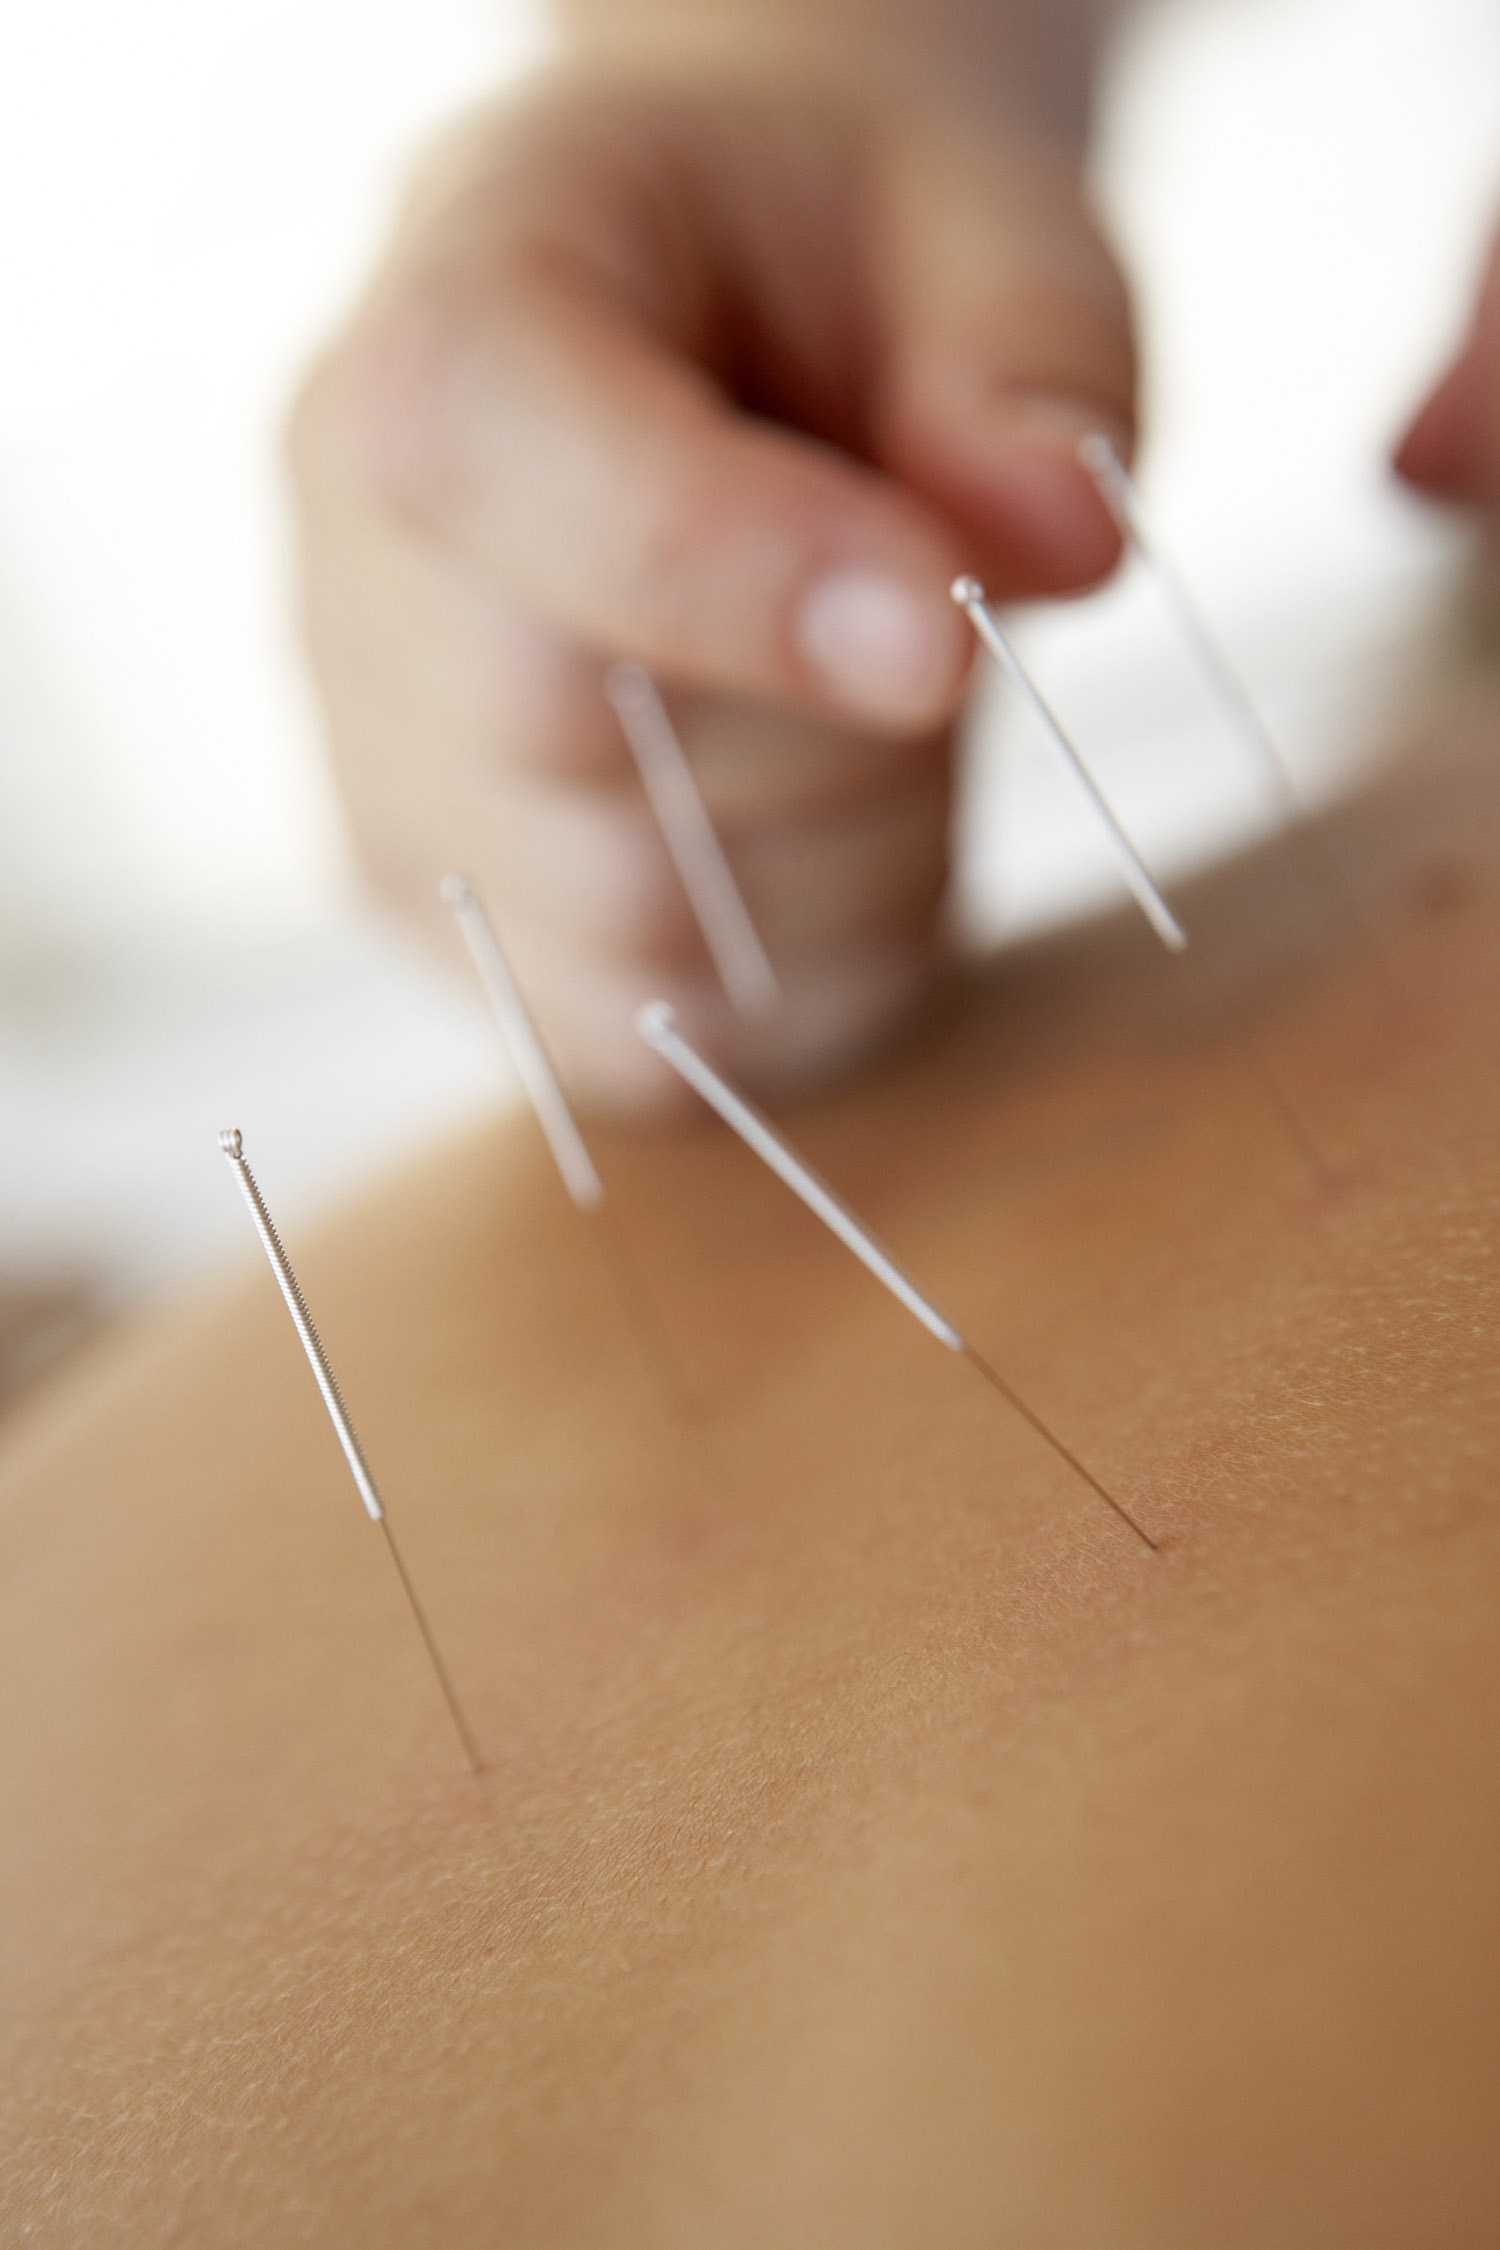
x: 730, y: 377
x: 1453, y: 447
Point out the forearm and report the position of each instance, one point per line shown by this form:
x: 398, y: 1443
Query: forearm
x: 1032, y: 60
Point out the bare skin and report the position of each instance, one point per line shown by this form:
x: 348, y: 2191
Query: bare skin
x: 722, y: 347
x: 878, y: 1846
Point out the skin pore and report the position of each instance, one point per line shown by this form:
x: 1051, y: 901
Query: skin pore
x: 877, y: 1846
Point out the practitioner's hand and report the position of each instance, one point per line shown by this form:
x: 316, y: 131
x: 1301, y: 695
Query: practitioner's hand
x: 729, y: 375
x: 1453, y: 447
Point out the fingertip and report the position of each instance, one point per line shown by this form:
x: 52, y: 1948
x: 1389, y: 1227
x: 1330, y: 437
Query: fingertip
x: 1059, y: 534
x: 1009, y: 470
x: 881, y: 645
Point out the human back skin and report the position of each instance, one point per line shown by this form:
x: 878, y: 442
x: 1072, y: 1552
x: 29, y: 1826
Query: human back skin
x: 877, y: 1845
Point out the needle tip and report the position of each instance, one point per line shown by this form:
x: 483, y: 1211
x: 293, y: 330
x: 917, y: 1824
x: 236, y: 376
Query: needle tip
x: 454, y: 890
x: 966, y: 590
x: 232, y: 1145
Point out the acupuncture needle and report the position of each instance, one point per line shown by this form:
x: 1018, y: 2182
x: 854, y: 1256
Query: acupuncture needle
x: 733, y: 942
x: 969, y: 594
x: 570, y: 1153
x: 970, y: 597
x: 1118, y: 491
x: 1120, y: 494
x: 232, y: 1144
x: 657, y: 1026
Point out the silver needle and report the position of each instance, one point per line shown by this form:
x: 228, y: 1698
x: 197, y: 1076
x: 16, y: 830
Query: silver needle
x: 969, y: 595
x: 233, y: 1147
x: 723, y: 917
x: 657, y: 1025
x: 526, y: 1050
x: 569, y: 1150
x: 1118, y: 492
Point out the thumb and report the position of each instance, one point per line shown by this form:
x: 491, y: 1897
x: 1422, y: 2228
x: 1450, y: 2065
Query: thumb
x: 1008, y: 339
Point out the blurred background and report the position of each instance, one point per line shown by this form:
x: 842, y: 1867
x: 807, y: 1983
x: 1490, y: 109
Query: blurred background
x: 188, y: 196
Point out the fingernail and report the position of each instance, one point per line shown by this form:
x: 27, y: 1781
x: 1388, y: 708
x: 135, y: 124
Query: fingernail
x: 880, y: 644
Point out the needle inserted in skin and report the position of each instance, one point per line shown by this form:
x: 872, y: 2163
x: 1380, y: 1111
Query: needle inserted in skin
x: 569, y: 1149
x: 1118, y: 492
x: 657, y: 1026
x: 723, y: 917
x: 233, y: 1147
x: 526, y: 1050
x: 969, y: 595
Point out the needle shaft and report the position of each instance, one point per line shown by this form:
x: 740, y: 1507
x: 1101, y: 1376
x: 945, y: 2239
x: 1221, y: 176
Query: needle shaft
x: 533, y: 1067
x: 657, y: 1027
x: 969, y: 595
x: 733, y: 941
x: 232, y: 1145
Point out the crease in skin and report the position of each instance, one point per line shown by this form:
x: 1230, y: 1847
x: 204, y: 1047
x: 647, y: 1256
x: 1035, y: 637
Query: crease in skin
x: 867, y: 1857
